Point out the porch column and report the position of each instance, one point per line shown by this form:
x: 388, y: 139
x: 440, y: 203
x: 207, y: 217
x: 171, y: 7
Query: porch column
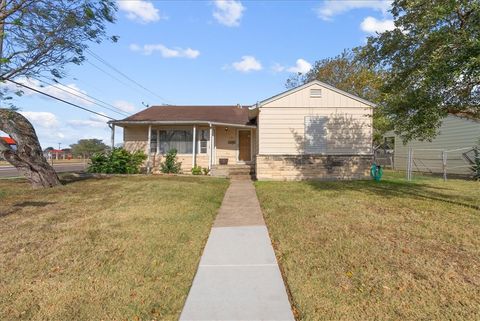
x: 149, y: 139
x: 194, y: 145
x: 210, y: 157
x: 112, y: 126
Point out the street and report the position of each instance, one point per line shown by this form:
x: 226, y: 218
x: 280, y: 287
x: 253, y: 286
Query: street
x: 10, y: 171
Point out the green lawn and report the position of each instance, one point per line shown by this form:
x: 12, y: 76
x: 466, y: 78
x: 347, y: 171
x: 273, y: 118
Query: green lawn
x: 392, y: 250
x: 121, y: 248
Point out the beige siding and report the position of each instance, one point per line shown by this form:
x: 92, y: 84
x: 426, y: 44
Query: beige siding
x: 135, y: 138
x: 226, y: 144
x: 282, y: 131
x: 454, y: 133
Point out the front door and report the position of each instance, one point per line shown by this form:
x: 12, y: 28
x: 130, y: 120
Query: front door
x: 244, y: 146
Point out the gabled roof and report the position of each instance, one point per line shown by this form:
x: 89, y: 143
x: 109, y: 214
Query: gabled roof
x: 308, y: 84
x: 234, y: 115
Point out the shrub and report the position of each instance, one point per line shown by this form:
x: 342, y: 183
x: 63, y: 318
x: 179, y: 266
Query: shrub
x: 197, y: 170
x: 118, y: 161
x: 171, y: 165
x: 205, y: 171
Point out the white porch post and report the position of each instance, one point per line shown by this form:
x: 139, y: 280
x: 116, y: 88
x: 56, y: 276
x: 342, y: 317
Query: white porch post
x: 148, y: 147
x: 210, y: 157
x: 194, y: 145
x: 112, y: 126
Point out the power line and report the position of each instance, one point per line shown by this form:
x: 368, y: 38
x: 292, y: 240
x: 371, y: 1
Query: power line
x: 59, y: 99
x: 81, y: 96
x: 94, y: 55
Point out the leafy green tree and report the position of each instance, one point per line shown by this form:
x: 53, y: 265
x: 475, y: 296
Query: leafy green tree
x: 88, y: 147
x: 40, y: 37
x: 433, y: 59
x: 353, y: 75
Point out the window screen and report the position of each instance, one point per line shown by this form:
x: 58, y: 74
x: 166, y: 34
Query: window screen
x: 315, y: 134
x: 153, y: 141
x: 181, y: 140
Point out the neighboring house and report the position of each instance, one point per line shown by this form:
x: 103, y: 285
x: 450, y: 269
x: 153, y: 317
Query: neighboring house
x: 314, y: 131
x: 457, y: 135
x: 57, y: 154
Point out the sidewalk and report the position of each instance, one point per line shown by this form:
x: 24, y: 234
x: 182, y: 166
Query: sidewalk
x: 238, y: 277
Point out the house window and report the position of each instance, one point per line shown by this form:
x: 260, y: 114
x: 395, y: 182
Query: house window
x: 316, y: 93
x: 315, y: 137
x: 153, y: 141
x: 203, y: 137
x: 181, y: 140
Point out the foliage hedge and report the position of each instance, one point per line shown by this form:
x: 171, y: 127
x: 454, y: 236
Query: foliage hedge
x: 118, y: 161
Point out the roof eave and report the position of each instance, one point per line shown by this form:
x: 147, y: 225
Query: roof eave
x: 173, y: 122
x: 308, y: 84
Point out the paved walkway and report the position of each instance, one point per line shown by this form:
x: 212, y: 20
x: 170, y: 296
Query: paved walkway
x: 238, y: 277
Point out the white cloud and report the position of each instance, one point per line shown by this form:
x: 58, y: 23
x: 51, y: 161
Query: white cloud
x: 278, y: 68
x: 248, y: 63
x: 95, y: 121
x: 70, y: 92
x: 165, y: 52
x: 302, y: 66
x: 139, y: 10
x: 228, y: 12
x: 124, y: 106
x: 373, y: 25
x: 331, y: 8
x: 41, y: 118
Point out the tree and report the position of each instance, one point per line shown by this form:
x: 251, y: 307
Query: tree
x: 38, y: 37
x: 353, y: 75
x: 433, y: 61
x: 88, y: 147
x: 28, y: 157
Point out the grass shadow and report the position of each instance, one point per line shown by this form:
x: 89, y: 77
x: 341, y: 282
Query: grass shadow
x: 398, y: 189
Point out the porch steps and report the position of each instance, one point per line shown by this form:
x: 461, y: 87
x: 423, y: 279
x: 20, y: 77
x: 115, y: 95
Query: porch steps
x: 237, y: 171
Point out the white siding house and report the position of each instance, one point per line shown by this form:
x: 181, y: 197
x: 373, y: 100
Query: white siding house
x: 456, y: 136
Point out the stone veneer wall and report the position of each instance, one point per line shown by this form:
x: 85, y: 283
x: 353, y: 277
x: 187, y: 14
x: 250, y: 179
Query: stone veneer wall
x: 318, y: 167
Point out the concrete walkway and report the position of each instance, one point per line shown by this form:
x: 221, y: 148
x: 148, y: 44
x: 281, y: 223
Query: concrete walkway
x: 238, y: 277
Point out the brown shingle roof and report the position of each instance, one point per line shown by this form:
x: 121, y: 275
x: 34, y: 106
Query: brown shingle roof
x: 219, y: 114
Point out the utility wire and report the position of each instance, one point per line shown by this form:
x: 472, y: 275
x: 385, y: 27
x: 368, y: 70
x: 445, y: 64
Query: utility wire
x: 59, y: 99
x: 94, y: 55
x: 83, y: 95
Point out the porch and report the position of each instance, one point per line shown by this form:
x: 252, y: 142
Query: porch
x: 222, y: 148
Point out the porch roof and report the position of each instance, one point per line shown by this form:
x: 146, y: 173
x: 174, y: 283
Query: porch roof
x: 168, y: 114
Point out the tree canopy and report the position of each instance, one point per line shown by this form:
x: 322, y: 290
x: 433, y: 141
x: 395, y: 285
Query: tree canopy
x: 40, y: 37
x: 88, y: 147
x: 433, y: 63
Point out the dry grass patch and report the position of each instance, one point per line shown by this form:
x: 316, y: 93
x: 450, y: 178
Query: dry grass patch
x: 393, y: 250
x: 103, y: 249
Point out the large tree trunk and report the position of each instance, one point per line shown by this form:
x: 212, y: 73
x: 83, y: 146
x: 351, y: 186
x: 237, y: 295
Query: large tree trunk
x: 28, y: 157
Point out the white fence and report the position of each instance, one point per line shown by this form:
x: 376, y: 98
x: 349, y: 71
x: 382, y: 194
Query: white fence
x: 453, y: 161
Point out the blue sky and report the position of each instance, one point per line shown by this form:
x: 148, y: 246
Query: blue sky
x: 201, y: 52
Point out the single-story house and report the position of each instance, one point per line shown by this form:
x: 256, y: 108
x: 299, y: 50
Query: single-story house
x: 314, y: 131
x: 452, y: 147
